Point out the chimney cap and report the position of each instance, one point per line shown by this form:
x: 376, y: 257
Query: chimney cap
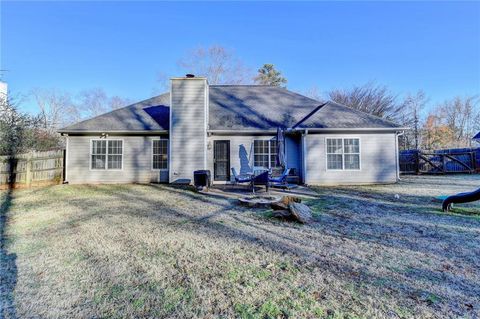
x: 189, y: 75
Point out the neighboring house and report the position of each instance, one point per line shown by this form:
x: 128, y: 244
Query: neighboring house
x: 216, y: 127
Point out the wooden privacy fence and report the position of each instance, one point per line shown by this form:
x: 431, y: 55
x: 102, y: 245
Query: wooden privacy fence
x: 440, y: 161
x: 32, y: 169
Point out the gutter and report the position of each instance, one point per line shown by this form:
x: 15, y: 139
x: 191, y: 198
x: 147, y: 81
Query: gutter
x: 146, y: 132
x: 310, y: 130
x: 240, y: 132
x: 358, y: 129
x: 397, y: 153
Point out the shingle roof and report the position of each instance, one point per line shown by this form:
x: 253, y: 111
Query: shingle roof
x: 334, y: 115
x: 237, y: 107
x: 254, y: 107
x: 147, y: 115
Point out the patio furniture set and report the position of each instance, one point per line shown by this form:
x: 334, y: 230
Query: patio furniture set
x: 262, y: 177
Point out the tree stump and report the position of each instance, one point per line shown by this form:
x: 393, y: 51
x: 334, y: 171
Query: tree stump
x: 290, y: 199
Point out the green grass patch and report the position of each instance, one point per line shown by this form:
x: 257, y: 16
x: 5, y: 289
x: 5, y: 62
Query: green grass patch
x: 466, y: 211
x: 75, y: 258
x: 29, y: 247
x: 280, y: 306
x: 174, y: 296
x: 138, y: 303
x: 268, y: 310
x: 248, y: 275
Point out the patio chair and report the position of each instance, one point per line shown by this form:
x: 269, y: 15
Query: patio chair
x: 280, y: 181
x: 239, y: 179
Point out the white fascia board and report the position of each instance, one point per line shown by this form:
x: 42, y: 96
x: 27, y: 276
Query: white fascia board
x: 372, y: 129
x: 152, y: 132
x: 310, y: 130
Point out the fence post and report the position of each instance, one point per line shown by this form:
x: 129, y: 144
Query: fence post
x: 444, y: 169
x: 28, y: 177
x: 474, y: 162
x: 418, y: 163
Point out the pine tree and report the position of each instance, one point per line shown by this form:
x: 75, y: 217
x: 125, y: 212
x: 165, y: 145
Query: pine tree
x: 268, y: 75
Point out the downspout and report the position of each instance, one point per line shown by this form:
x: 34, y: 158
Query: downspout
x: 65, y: 160
x: 397, y: 153
x: 304, y: 157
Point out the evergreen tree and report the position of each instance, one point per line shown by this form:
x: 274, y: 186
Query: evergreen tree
x: 268, y: 75
x: 15, y: 127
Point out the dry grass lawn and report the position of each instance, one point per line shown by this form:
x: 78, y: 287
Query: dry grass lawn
x: 116, y: 251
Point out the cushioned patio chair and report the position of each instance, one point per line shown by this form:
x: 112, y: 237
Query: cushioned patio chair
x: 280, y: 181
x: 240, y: 179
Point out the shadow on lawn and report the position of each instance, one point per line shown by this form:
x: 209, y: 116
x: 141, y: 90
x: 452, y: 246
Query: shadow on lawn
x: 418, y: 235
x: 362, y: 227
x: 8, y: 267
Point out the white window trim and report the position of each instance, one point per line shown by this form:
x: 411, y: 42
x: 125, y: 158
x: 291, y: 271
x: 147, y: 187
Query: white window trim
x: 106, y: 155
x: 168, y: 155
x: 343, y: 154
x: 269, y: 153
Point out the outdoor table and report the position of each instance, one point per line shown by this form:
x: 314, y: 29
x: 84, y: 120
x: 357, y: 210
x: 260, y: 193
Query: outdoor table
x: 257, y: 173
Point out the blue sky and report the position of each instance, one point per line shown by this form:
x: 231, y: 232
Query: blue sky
x: 122, y: 46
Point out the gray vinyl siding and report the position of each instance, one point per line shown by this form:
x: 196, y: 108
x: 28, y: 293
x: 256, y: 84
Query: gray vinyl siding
x: 241, y: 152
x: 377, y: 160
x: 187, y: 129
x: 137, y: 162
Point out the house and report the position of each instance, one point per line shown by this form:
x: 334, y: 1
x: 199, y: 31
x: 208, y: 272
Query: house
x: 200, y: 126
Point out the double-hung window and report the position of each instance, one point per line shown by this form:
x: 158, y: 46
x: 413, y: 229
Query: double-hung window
x: 106, y: 154
x: 160, y: 154
x: 265, y: 153
x: 343, y: 153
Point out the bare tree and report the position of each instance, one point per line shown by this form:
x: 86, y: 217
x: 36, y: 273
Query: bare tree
x: 462, y: 116
x: 411, y: 116
x: 116, y: 102
x: 314, y: 93
x: 56, y: 108
x: 216, y: 63
x: 370, y: 98
x: 163, y: 80
x: 94, y: 102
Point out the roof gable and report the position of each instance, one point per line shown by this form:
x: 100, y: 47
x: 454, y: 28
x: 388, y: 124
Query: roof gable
x: 147, y: 115
x: 334, y: 115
